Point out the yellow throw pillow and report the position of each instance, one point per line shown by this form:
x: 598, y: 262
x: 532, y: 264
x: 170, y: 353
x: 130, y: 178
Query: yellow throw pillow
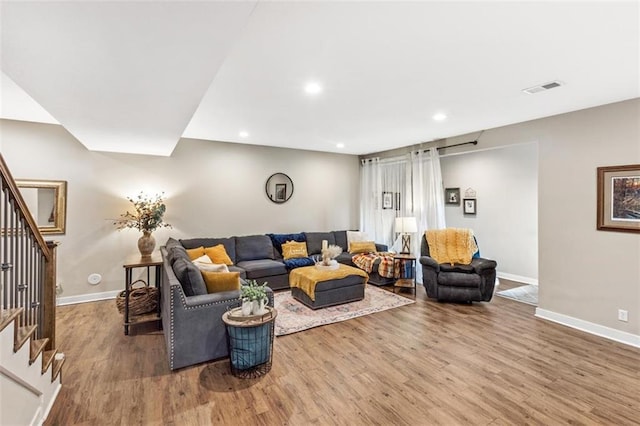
x: 195, y: 253
x: 294, y: 250
x: 221, y: 281
x: 218, y: 254
x: 362, y: 247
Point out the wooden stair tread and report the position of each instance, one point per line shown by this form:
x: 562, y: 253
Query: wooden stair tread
x: 22, y: 335
x: 57, y: 367
x: 9, y: 315
x: 47, y: 359
x: 36, y: 347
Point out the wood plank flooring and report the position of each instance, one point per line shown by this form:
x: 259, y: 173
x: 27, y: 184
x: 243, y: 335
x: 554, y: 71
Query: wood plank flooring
x: 422, y: 364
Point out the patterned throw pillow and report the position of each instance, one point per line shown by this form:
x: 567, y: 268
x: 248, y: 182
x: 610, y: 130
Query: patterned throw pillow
x: 293, y: 250
x: 362, y: 247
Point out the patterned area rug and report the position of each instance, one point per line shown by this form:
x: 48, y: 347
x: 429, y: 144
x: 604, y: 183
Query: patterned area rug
x: 293, y: 316
x: 525, y: 294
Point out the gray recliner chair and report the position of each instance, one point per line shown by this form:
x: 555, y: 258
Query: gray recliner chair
x: 457, y: 283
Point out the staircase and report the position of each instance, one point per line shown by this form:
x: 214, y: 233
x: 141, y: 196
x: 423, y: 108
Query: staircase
x: 30, y: 365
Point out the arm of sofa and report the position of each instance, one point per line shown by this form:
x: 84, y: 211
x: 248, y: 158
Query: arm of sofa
x: 382, y: 247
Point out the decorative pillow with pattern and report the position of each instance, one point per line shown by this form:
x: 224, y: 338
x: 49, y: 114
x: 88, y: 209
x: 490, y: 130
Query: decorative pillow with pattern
x: 294, y: 250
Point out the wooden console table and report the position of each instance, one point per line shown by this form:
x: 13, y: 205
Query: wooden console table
x: 136, y: 261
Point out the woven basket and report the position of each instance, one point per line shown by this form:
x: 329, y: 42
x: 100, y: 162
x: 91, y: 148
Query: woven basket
x: 141, y: 300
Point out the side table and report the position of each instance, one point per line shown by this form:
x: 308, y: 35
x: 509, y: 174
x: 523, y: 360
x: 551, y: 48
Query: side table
x: 250, y: 342
x: 407, y: 265
x: 136, y: 261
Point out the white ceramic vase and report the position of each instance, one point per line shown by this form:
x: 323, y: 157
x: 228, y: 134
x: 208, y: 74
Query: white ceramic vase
x: 258, y: 307
x: 247, y: 306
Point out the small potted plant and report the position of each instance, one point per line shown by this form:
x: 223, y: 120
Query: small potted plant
x: 254, y: 298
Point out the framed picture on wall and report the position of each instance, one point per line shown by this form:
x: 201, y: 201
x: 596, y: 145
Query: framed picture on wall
x: 387, y: 200
x: 469, y: 205
x: 452, y: 196
x: 281, y: 191
x: 398, y: 199
x: 619, y: 198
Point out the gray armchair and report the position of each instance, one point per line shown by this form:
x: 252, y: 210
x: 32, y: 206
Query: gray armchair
x: 457, y: 283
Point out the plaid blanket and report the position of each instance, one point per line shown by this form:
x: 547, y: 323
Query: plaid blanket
x: 387, y: 269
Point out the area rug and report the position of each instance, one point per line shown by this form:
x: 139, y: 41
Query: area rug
x: 525, y: 294
x: 293, y: 316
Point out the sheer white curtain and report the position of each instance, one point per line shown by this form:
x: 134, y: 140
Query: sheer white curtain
x: 404, y: 186
x: 428, y: 195
x: 385, y: 193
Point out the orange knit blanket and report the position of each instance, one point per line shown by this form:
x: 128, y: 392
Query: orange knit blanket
x: 451, y: 245
x: 307, y: 277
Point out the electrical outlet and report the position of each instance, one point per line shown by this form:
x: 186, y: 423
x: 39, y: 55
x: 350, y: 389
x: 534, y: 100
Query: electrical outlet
x: 623, y: 315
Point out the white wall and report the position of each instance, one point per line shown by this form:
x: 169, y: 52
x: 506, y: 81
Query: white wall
x: 211, y: 189
x: 506, y: 221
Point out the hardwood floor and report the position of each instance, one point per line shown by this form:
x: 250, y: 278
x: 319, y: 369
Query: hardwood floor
x: 421, y: 364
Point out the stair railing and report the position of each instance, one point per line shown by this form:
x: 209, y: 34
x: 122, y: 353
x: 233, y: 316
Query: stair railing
x: 27, y: 262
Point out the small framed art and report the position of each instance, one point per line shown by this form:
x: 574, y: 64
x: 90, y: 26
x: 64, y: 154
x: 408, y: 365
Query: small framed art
x: 452, y: 196
x: 387, y: 200
x: 469, y: 205
x: 619, y: 198
x: 281, y: 192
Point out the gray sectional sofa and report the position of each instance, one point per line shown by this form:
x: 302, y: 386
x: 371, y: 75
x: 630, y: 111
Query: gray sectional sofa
x: 192, y: 319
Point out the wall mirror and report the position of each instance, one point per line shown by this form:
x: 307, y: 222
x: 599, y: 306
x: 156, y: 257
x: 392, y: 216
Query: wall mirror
x: 47, y: 202
x: 279, y: 188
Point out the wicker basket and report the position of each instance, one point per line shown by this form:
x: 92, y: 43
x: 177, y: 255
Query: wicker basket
x: 141, y: 300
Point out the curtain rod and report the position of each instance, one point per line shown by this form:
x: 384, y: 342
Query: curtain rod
x: 457, y: 144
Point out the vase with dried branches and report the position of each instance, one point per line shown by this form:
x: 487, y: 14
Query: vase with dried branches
x: 147, y: 217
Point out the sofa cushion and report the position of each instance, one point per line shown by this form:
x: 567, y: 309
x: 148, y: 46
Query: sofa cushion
x: 459, y: 279
x: 171, y: 243
x: 278, y: 239
x: 341, y: 240
x: 457, y: 267
x: 262, y: 268
x: 253, y: 247
x: 345, y: 258
x: 221, y: 281
x: 228, y: 243
x: 218, y: 254
x: 294, y: 250
x: 242, y: 272
x: 177, y: 252
x: 314, y: 241
x: 190, y: 277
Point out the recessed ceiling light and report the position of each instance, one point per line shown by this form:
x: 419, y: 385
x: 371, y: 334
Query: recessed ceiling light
x: 313, y: 88
x: 339, y: 145
x: 439, y: 116
x: 243, y: 134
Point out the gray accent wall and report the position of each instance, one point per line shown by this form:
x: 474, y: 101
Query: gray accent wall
x: 212, y: 189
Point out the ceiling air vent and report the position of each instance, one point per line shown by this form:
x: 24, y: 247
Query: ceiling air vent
x: 542, y: 87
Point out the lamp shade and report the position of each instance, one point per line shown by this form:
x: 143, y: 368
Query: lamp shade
x: 406, y: 225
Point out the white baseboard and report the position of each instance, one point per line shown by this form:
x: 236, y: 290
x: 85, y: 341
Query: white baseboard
x: 518, y: 278
x: 589, y: 327
x: 83, y: 298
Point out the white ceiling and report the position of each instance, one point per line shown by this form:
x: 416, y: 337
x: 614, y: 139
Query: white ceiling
x: 137, y: 76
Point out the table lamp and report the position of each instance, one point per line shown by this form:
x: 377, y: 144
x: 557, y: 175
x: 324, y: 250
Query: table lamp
x: 405, y: 226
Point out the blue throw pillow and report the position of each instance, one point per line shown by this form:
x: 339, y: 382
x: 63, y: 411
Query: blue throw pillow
x: 279, y: 239
x: 298, y: 262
